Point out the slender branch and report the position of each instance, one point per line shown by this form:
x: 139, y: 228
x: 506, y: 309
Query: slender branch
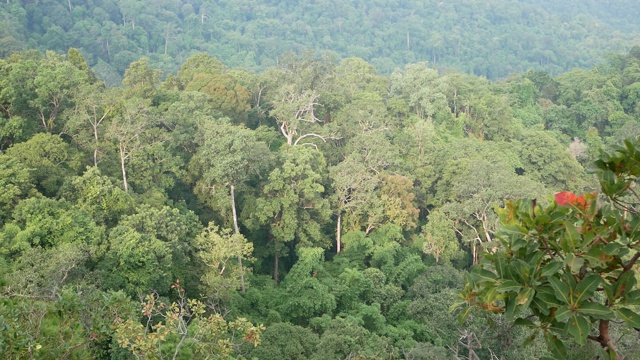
x: 631, y: 262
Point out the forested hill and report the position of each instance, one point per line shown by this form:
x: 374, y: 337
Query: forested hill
x: 317, y: 209
x: 492, y: 38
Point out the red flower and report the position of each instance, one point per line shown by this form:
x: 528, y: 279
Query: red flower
x: 566, y: 198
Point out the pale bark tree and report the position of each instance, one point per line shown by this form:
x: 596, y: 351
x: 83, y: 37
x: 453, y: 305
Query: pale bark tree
x: 126, y: 131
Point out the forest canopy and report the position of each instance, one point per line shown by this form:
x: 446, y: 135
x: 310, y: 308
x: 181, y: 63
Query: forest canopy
x: 487, y: 38
x: 195, y: 181
x: 314, y: 208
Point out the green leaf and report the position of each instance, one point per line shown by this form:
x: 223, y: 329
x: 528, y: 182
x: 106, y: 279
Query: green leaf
x: 574, y: 263
x: 509, y: 285
x: 611, y: 354
x: 547, y: 296
x: 596, y: 311
x: 586, y: 287
x: 608, y: 290
x: 631, y: 318
x: 635, y: 227
x: 522, y: 269
x: 510, y: 309
x: 625, y: 282
x: 572, y: 237
x: 535, y: 256
x: 632, y: 298
x: 480, y: 275
x: 490, y: 295
x: 525, y: 297
x: 555, y: 345
x: 596, y: 257
x: 519, y: 244
x: 587, y: 238
x: 614, y: 249
x: 464, y: 314
x: 578, y: 327
x: 561, y: 290
x: 515, y: 230
x: 500, y: 265
x: 540, y: 306
x: 563, y: 313
x: 557, y: 327
x: 550, y: 269
x: 529, y: 339
x: 525, y: 322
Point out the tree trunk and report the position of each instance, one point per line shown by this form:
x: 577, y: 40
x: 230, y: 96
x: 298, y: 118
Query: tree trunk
x: 474, y: 252
x: 166, y: 43
x: 339, y: 234
x: 605, y: 340
x: 276, y: 273
x: 95, y: 148
x: 236, y: 231
x: 124, y: 171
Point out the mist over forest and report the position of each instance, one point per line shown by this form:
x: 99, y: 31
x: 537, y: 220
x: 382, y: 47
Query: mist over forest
x: 319, y: 179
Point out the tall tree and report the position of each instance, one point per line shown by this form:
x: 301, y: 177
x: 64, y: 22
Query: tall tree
x: 293, y: 205
x: 51, y: 159
x: 57, y: 83
x: 353, y: 186
x: 127, y: 130
x: 89, y: 116
x: 229, y: 157
x: 217, y: 248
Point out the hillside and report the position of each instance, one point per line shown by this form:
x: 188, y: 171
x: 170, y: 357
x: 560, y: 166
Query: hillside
x: 488, y: 38
x: 318, y: 208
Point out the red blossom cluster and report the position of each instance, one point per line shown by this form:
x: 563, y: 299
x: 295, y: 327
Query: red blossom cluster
x: 567, y: 198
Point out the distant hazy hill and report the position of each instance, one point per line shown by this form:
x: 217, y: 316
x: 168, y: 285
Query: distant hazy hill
x: 485, y: 37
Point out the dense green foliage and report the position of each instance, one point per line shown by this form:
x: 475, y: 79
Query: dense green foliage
x: 336, y: 207
x: 568, y: 269
x: 490, y: 38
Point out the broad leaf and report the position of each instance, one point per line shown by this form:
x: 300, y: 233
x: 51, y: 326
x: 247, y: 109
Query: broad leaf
x: 596, y: 257
x: 634, y: 227
x: 500, y: 265
x: 631, y: 318
x: 574, y: 263
x: 525, y: 297
x: 509, y: 285
x: 511, y: 306
x: 525, y: 322
x: 632, y: 298
x: 513, y: 230
x: 538, y: 305
x: 572, y: 237
x: 586, y: 287
x: 547, y: 296
x: 556, y: 346
x: 596, y: 311
x: 529, y: 339
x: 561, y: 290
x: 579, y: 328
x: 481, y: 275
x: 464, y: 314
x: 563, y: 313
x: 551, y: 268
x: 625, y: 282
